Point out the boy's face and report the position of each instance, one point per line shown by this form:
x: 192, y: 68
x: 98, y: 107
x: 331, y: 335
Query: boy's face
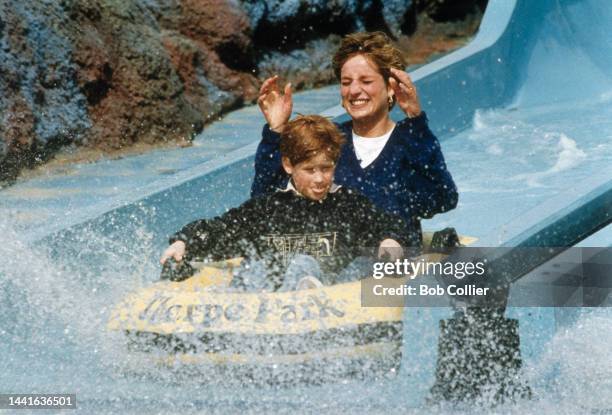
x: 313, y: 177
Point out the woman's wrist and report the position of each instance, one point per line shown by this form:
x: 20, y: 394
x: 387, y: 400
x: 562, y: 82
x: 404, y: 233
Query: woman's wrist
x: 419, y: 119
x: 276, y: 128
x: 415, y: 114
x: 270, y: 136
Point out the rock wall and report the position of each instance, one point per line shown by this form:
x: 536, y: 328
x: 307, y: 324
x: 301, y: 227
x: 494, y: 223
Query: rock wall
x: 110, y: 73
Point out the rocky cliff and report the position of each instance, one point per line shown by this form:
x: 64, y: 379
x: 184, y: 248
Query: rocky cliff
x: 107, y: 74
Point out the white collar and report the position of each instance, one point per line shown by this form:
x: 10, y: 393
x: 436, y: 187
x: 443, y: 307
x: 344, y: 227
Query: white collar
x: 291, y: 188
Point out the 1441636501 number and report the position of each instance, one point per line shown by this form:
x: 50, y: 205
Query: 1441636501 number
x: 42, y: 401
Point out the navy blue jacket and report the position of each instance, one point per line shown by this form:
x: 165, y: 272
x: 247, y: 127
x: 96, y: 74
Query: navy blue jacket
x: 409, y: 178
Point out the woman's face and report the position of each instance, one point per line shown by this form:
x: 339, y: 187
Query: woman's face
x: 365, y: 95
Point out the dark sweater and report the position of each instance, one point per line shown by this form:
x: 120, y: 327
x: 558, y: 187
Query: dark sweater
x: 409, y: 178
x: 277, y: 226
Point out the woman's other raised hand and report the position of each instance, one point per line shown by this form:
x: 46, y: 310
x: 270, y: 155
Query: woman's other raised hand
x: 405, y: 93
x: 275, y: 106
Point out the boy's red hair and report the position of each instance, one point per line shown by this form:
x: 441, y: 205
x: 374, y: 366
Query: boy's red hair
x: 308, y: 136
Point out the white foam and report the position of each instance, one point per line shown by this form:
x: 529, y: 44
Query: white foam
x: 569, y: 156
x: 495, y: 150
x: 605, y: 96
x: 579, y: 360
x: 478, y: 122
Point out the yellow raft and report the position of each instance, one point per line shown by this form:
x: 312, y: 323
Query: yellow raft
x: 314, y: 335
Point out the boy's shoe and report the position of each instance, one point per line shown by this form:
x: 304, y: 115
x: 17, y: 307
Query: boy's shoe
x: 308, y: 283
x: 176, y: 271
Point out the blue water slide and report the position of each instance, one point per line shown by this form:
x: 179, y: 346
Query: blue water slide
x: 543, y: 66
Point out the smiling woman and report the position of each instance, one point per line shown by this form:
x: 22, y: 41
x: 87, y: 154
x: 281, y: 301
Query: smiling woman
x: 399, y: 166
x: 366, y: 97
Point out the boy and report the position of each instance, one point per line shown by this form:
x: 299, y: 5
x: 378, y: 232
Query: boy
x: 312, y: 223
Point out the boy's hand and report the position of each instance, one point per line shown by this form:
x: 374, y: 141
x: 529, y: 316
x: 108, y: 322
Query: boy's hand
x: 276, y: 107
x: 391, y: 249
x: 176, y: 251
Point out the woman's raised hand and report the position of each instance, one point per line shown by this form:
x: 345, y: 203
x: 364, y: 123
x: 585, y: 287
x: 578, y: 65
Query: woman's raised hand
x: 276, y: 107
x: 405, y: 93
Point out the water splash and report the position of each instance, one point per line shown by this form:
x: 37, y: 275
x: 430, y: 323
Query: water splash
x: 56, y: 303
x: 569, y: 156
x: 575, y: 372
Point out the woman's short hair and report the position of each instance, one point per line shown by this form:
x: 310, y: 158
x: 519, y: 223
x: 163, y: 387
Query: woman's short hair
x: 375, y: 46
x: 309, y: 135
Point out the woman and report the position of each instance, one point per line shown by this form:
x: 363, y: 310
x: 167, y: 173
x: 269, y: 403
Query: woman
x: 399, y: 166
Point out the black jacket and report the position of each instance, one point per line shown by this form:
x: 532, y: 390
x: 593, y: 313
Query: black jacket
x: 277, y: 226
